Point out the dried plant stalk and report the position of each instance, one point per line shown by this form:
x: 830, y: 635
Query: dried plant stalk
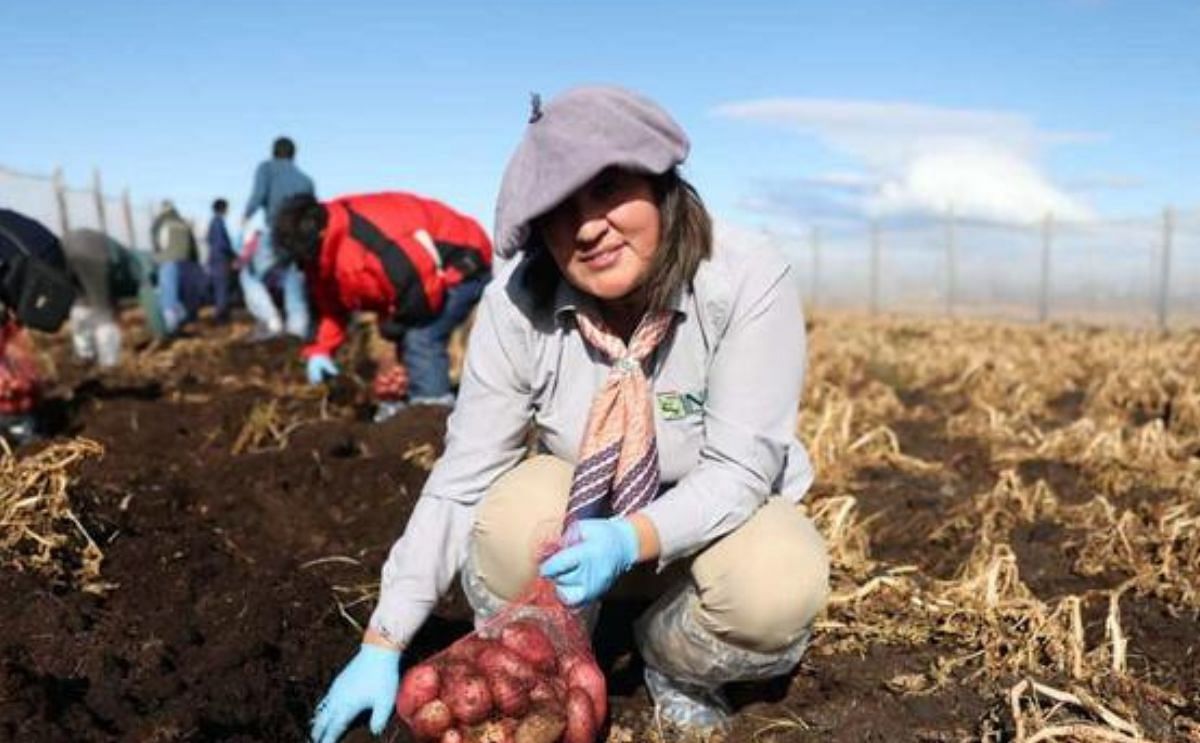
x: 39, y: 531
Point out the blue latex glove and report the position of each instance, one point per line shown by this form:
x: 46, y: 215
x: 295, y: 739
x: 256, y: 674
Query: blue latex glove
x: 319, y: 367
x: 369, y: 681
x: 601, y: 550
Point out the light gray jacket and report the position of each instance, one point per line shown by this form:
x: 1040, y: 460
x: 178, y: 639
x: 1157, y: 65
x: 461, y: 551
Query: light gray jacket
x: 727, y: 387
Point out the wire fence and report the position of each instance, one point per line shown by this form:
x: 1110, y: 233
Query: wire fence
x: 60, y: 207
x: 1139, y: 272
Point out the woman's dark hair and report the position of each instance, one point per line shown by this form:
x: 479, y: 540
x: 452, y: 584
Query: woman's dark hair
x: 685, y: 241
x: 283, y: 148
x: 296, y: 233
x: 220, y: 206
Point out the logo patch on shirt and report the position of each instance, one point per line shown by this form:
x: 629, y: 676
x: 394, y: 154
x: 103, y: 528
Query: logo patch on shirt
x: 675, y: 406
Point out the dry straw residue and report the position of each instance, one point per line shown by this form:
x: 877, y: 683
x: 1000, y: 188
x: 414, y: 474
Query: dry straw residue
x: 267, y: 428
x: 39, y: 530
x: 1118, y: 411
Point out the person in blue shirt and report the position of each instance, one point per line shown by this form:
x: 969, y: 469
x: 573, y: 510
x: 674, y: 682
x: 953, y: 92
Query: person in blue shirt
x: 220, y: 260
x: 275, y: 181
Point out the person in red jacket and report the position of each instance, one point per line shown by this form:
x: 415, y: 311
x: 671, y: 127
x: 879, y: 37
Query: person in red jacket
x: 417, y: 263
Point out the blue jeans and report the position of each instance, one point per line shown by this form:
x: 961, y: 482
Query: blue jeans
x: 258, y: 298
x: 172, y: 308
x: 425, y: 348
x: 218, y: 271
x: 182, y: 290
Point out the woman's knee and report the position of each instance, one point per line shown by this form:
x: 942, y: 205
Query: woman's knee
x: 522, y: 508
x: 761, y: 586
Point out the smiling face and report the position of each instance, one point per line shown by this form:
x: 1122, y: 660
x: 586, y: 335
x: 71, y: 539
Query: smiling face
x: 604, y: 237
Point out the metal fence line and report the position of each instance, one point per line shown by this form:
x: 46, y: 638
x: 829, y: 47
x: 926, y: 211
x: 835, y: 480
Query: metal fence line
x: 1137, y: 271
x: 1133, y: 271
x: 61, y: 208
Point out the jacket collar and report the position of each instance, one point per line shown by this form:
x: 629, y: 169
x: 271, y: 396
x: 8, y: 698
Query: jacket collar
x: 568, y: 300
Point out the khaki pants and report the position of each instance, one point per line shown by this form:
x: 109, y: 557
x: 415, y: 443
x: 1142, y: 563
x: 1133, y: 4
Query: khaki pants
x: 758, y: 587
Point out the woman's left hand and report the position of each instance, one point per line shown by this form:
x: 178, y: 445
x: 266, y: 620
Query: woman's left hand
x: 599, y: 552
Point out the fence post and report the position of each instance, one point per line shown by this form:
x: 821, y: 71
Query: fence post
x: 815, y: 278
x: 1164, y: 277
x: 1044, y: 286
x: 875, y: 250
x: 127, y: 208
x: 60, y: 198
x: 150, y: 212
x: 98, y: 193
x: 951, y: 261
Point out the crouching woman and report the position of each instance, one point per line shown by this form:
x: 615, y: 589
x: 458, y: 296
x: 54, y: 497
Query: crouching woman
x: 662, y: 375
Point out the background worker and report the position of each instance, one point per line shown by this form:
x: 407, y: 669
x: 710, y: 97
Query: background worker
x: 275, y: 181
x: 106, y: 272
x: 221, y: 256
x: 174, y: 246
x: 417, y: 262
x: 35, y: 292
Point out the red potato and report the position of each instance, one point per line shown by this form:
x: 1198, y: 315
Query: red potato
x: 584, y: 673
x: 497, y: 659
x: 508, y: 694
x: 453, y: 735
x: 581, y: 720
x: 468, y: 698
x: 568, y: 661
x: 431, y: 720
x: 548, y: 690
x: 391, y: 382
x: 419, y: 687
x: 542, y: 726
x: 453, y: 669
x: 468, y: 648
x: 527, y: 640
x: 496, y: 731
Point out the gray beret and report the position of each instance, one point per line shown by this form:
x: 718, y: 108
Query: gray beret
x: 578, y: 134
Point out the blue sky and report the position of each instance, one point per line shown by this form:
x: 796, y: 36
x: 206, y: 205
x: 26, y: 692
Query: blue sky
x: 799, y: 112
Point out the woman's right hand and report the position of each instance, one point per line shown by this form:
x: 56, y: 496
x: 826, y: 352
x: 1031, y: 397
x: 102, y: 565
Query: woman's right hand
x: 368, y: 682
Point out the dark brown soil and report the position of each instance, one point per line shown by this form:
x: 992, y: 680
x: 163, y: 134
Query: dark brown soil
x: 905, y: 511
x: 225, y: 625
x: 1065, y: 479
x: 850, y: 698
x: 217, y: 629
x: 1046, y: 554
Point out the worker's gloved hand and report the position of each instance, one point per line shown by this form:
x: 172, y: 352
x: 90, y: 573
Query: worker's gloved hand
x: 368, y: 682
x: 320, y: 367
x: 599, y: 551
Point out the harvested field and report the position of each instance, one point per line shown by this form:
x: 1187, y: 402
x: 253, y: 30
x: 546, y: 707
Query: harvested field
x: 1012, y: 513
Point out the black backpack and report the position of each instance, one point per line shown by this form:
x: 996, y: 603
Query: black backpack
x: 39, y: 294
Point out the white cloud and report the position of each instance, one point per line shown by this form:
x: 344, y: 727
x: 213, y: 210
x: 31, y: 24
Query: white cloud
x: 1105, y: 182
x: 919, y: 159
x: 975, y: 180
x: 791, y: 245
x: 725, y: 231
x: 844, y: 180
